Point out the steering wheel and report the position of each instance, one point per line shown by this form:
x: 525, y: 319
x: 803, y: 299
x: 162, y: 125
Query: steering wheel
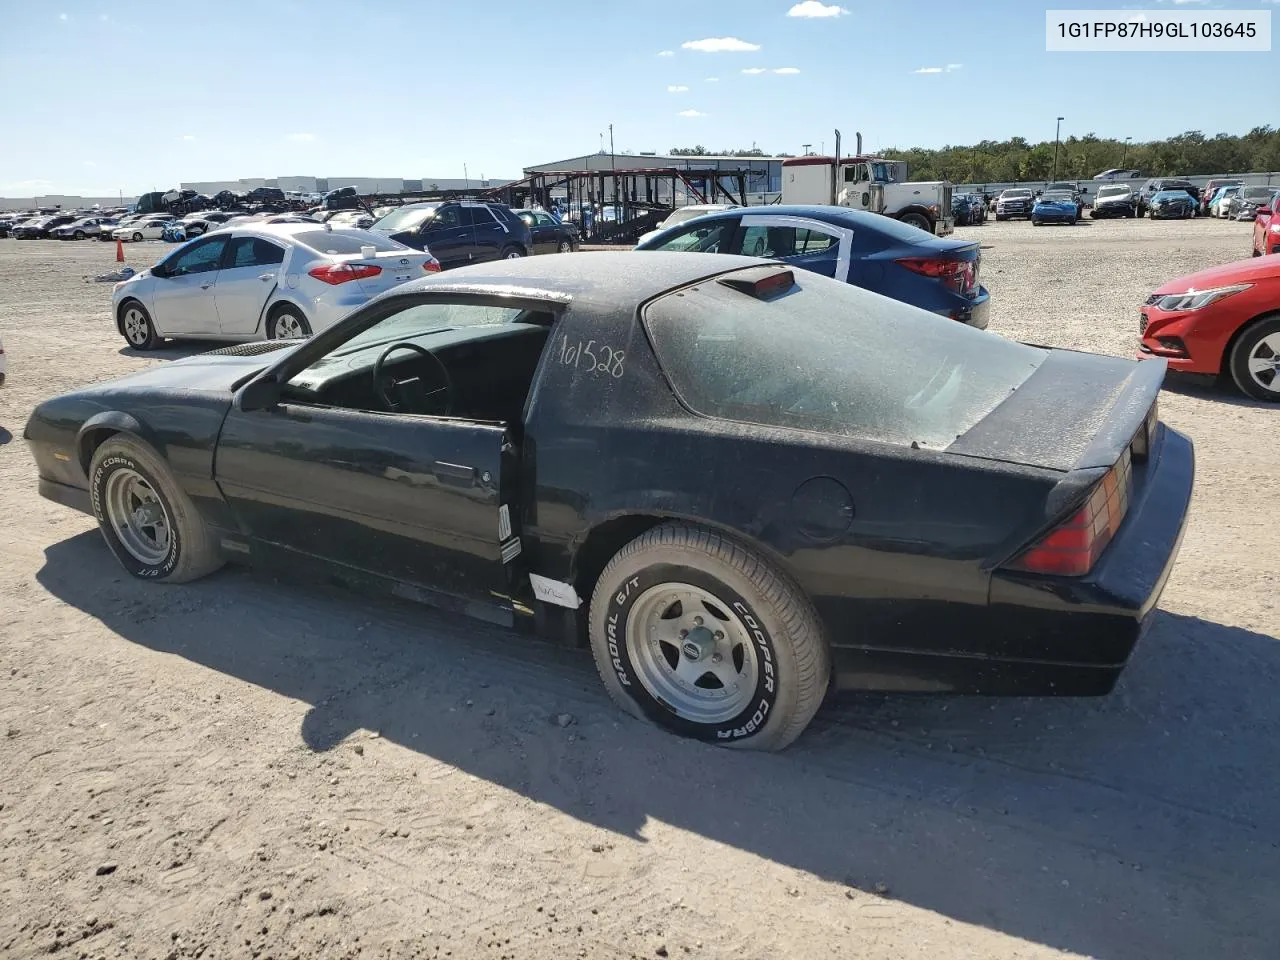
x: 410, y: 392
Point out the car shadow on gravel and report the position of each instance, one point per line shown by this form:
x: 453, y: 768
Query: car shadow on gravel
x: 1210, y: 388
x: 1136, y: 825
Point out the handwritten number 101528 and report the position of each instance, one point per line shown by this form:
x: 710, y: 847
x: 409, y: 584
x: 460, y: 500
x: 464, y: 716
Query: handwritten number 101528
x: 592, y: 357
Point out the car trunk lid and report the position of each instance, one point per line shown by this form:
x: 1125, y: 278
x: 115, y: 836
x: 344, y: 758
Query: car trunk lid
x: 1077, y: 411
x: 954, y: 263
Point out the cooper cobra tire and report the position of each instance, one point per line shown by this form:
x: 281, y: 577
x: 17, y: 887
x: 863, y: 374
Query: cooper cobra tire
x: 767, y: 639
x: 124, y: 472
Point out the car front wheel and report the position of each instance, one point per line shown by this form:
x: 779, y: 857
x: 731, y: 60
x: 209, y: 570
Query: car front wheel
x: 1254, y: 362
x: 136, y: 325
x: 565, y: 246
x: 147, y: 520
x: 705, y: 637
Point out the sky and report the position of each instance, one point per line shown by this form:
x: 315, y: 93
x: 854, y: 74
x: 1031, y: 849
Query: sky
x: 104, y: 96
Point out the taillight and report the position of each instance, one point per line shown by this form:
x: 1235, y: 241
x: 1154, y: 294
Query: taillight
x: 957, y: 274
x: 1071, y: 548
x: 336, y: 273
x: 432, y: 265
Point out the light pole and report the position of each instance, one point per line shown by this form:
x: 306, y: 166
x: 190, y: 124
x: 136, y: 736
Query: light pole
x: 1125, y: 156
x: 1056, y: 136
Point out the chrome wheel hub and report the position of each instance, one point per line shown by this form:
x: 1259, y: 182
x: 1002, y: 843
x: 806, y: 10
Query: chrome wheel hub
x: 692, y: 653
x: 1264, y: 362
x: 137, y: 516
x: 288, y: 327
x: 135, y: 327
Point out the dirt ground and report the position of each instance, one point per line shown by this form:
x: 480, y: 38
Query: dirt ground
x: 249, y: 768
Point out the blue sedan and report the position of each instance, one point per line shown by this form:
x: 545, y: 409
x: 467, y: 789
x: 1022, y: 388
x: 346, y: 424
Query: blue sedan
x: 1055, y: 207
x: 867, y: 250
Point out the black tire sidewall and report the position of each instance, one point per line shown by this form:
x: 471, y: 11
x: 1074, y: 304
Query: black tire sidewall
x: 152, y: 339
x: 1239, y: 359
x: 273, y: 325
x: 754, y: 718
x: 101, y: 471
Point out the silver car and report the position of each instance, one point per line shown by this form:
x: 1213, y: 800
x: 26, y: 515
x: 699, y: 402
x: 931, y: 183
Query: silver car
x: 261, y: 282
x: 88, y: 227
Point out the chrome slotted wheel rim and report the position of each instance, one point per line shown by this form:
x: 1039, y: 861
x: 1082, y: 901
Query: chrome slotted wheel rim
x: 691, y: 652
x: 288, y: 327
x: 137, y: 516
x: 135, y: 326
x: 1264, y: 362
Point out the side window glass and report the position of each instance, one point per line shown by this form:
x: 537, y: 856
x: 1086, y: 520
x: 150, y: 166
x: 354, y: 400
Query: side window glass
x: 199, y: 259
x: 813, y: 241
x: 703, y: 238
x: 266, y: 253
x: 446, y: 218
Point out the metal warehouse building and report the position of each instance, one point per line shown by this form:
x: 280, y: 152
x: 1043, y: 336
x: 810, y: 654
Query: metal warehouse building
x: 763, y: 174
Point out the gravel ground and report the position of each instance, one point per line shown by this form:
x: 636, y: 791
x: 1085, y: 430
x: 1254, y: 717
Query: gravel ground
x: 241, y: 767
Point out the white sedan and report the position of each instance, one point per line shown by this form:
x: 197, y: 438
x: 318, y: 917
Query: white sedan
x: 261, y: 281
x: 143, y: 230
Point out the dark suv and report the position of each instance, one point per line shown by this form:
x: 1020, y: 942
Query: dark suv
x: 458, y: 232
x: 1156, y: 184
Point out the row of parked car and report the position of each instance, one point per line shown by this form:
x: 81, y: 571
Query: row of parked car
x: 1157, y: 199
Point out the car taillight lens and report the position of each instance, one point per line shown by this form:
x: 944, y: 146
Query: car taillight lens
x: 1071, y: 548
x: 957, y: 274
x: 432, y: 266
x: 336, y: 273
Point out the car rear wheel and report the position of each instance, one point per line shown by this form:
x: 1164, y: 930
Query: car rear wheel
x: 79, y: 234
x: 564, y: 246
x: 1255, y: 359
x: 706, y: 638
x: 511, y: 253
x: 149, y: 523
x: 286, y: 323
x: 136, y: 325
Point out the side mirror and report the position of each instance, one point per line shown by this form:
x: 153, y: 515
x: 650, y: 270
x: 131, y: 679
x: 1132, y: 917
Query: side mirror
x: 260, y: 394
x: 161, y: 271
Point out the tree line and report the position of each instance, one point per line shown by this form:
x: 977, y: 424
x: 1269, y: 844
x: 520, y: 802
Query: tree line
x: 1079, y: 158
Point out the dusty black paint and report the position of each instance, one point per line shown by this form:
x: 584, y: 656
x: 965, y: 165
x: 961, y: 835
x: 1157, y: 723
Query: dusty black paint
x: 906, y: 573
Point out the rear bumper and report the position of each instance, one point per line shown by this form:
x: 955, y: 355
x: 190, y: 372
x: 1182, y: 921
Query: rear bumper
x: 977, y: 311
x: 1047, y: 636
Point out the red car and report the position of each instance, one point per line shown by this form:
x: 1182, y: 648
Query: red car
x: 1225, y: 320
x: 1266, y: 229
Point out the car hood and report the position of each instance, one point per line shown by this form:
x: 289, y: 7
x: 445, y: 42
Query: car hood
x: 217, y: 371
x: 1120, y: 198
x: 1242, y: 271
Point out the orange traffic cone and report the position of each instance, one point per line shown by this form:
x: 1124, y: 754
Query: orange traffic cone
x: 119, y: 250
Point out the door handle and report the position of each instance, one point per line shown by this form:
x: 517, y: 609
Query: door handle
x: 264, y: 277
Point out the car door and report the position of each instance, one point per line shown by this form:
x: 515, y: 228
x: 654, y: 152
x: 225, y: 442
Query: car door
x: 539, y: 233
x: 813, y: 245
x: 491, y: 234
x: 448, y: 237
x: 182, y: 292
x: 426, y: 501
x: 249, y: 273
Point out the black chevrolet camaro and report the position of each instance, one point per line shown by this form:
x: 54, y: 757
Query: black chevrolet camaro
x: 739, y: 484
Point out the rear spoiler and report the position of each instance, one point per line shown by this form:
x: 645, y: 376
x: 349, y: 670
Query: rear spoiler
x: 1128, y: 413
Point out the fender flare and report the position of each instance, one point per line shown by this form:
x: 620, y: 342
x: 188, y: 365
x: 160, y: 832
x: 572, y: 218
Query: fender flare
x: 105, y: 424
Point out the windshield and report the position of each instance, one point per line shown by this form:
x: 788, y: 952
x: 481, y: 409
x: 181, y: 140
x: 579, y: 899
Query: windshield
x: 1069, y: 187
x: 833, y: 358
x: 1056, y: 195
x: 1015, y: 194
x: 1113, y: 192
x: 405, y: 218
x: 1256, y: 193
x: 426, y: 318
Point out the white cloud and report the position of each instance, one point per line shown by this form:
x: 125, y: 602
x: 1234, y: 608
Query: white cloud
x: 690, y: 113
x: 753, y: 71
x: 1182, y: 3
x: 717, y: 79
x: 301, y: 137
x: 928, y: 70
x: 62, y: 17
x: 677, y: 88
x: 666, y: 53
x: 949, y: 68
x: 188, y: 137
x: 787, y: 70
x: 952, y: 67
x: 812, y: 8
x: 720, y: 45
x: 103, y: 17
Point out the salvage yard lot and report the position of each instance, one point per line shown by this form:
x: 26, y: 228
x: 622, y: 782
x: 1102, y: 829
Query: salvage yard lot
x: 242, y: 766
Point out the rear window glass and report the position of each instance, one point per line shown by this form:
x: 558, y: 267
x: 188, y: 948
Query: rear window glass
x: 1256, y: 193
x: 342, y: 242
x: 833, y: 358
